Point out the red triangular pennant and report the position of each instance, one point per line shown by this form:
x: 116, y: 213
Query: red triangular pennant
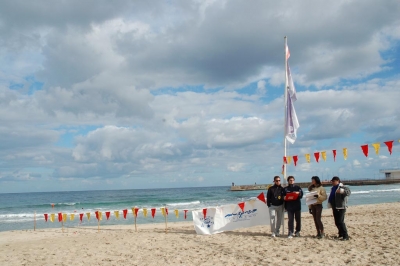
x: 166, y: 210
x: 136, y: 211
x: 262, y: 197
x: 334, y: 155
x: 185, y: 211
x: 125, y: 212
x: 60, y: 218
x: 316, y: 155
x: 284, y: 160
x: 81, y: 217
x: 153, y: 212
x: 108, y: 215
x: 389, y: 144
x: 295, y: 158
x: 97, y: 214
x: 205, y: 213
x: 241, y: 206
x: 365, y: 150
x: 45, y: 216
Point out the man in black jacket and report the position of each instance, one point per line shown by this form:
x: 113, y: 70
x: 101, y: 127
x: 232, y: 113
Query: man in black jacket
x: 292, y: 196
x: 275, y: 206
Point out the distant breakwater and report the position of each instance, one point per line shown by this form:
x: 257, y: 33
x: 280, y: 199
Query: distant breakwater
x: 363, y: 182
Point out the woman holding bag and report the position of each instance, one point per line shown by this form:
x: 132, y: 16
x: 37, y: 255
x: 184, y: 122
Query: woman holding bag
x: 316, y: 208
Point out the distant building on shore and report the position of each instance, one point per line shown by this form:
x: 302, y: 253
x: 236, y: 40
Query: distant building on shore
x: 393, y: 173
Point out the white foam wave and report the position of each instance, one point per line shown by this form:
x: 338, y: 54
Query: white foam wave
x: 17, y: 215
x: 376, y: 191
x: 183, y: 203
x: 361, y: 192
x: 68, y: 203
x: 21, y: 220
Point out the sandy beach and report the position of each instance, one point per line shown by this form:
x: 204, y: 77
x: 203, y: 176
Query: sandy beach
x: 374, y: 240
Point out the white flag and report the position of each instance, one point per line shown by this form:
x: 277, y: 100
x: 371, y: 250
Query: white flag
x: 292, y: 123
x: 291, y: 88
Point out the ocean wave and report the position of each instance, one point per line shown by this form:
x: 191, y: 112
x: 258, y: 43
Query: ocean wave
x: 375, y: 191
x: 361, y: 192
x: 66, y: 204
x: 184, y: 203
x: 17, y: 215
x: 18, y: 220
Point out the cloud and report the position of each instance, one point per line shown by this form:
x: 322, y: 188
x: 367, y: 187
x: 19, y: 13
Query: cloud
x: 191, y: 91
x: 237, y: 167
x: 261, y: 87
x: 203, y: 47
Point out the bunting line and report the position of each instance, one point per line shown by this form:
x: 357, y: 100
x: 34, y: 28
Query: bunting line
x: 323, y: 154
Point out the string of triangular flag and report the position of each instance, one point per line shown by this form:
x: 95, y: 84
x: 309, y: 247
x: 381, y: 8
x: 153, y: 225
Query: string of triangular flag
x: 63, y: 217
x: 323, y: 154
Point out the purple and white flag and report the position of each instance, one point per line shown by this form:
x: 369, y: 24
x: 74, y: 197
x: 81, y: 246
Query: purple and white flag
x: 292, y: 124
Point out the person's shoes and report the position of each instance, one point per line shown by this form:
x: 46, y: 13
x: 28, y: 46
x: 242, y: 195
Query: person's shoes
x: 322, y: 235
x: 338, y: 237
x: 345, y: 238
x: 318, y: 235
x: 277, y: 234
x: 297, y: 234
x: 290, y: 235
x: 273, y: 235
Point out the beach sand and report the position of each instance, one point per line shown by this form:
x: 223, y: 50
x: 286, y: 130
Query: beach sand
x: 374, y: 240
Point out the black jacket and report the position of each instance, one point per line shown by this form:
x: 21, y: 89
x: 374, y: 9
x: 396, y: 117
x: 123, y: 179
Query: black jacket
x: 294, y: 205
x: 275, y: 195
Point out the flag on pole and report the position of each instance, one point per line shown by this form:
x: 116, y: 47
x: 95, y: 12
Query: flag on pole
x: 291, y: 88
x: 287, y: 52
x: 292, y: 123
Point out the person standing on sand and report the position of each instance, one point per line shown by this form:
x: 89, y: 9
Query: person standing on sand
x: 338, y: 202
x: 292, y: 196
x: 275, y: 206
x: 316, y: 208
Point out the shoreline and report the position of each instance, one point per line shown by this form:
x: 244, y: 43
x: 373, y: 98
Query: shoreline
x: 373, y: 230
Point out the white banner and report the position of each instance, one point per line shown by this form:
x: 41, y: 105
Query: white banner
x: 230, y: 217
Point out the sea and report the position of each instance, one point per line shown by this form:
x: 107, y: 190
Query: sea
x: 19, y: 211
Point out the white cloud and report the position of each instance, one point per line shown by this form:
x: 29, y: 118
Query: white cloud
x: 261, y: 87
x: 236, y: 167
x: 138, y: 93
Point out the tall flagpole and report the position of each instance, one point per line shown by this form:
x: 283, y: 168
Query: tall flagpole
x: 285, y: 104
x: 284, y: 126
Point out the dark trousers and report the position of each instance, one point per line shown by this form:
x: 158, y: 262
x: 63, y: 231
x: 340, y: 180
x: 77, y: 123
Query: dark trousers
x: 338, y: 215
x: 316, y: 212
x: 292, y: 215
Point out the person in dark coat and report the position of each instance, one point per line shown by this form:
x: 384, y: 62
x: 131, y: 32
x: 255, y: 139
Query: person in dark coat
x: 292, y: 196
x: 275, y: 206
x: 338, y: 202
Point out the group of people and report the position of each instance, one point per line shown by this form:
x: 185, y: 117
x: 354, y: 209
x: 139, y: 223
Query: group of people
x: 281, y: 199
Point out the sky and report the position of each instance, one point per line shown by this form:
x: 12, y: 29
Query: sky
x: 102, y: 94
